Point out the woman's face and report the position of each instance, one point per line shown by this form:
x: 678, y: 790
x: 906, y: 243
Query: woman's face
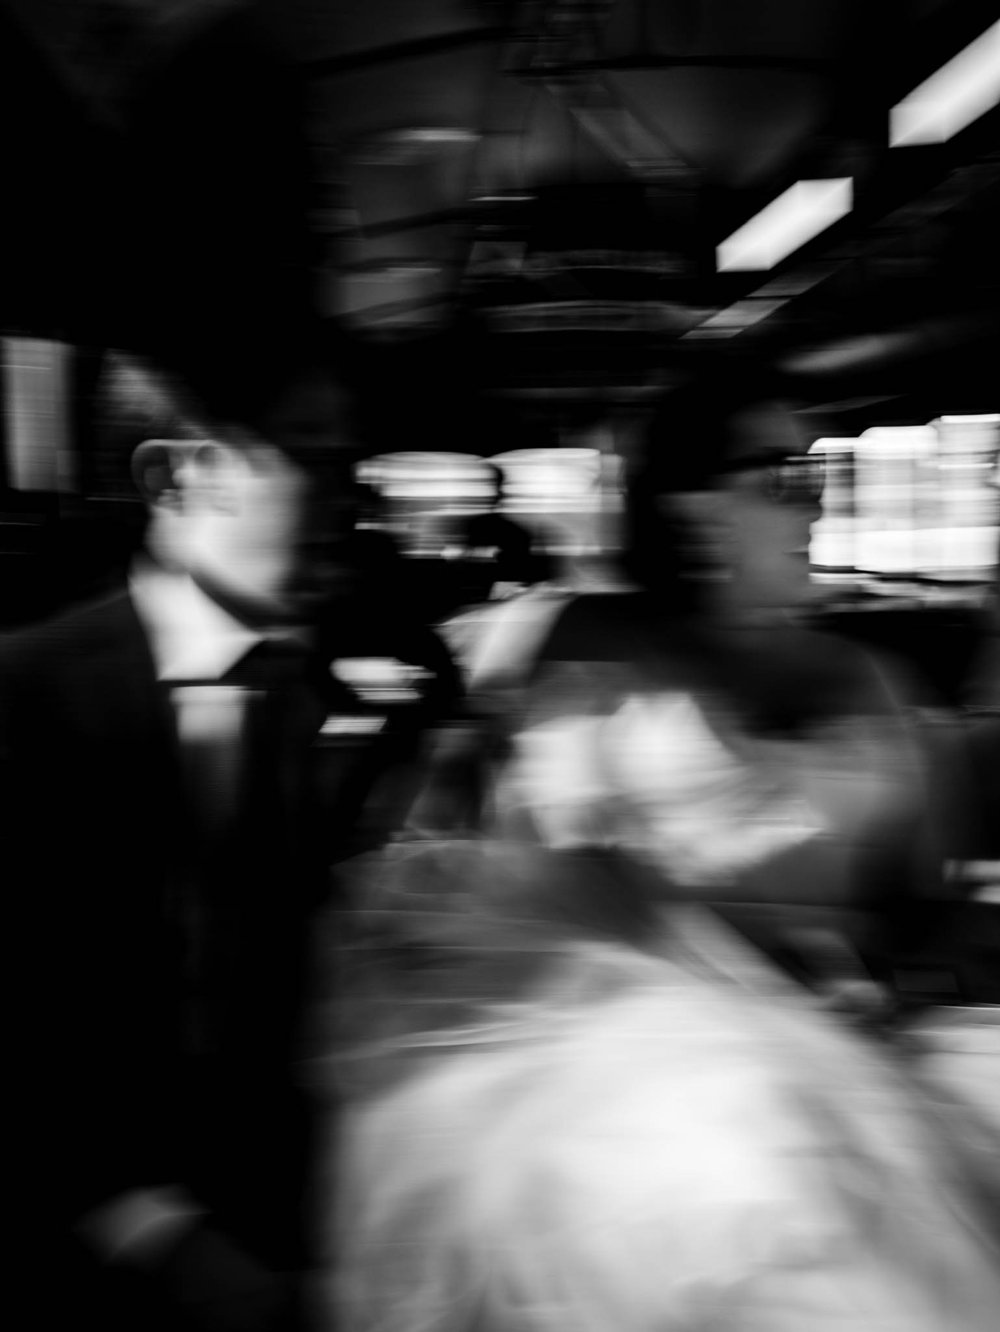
x: 768, y: 533
x: 756, y: 521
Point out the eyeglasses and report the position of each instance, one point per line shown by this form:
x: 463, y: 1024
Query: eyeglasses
x: 795, y: 480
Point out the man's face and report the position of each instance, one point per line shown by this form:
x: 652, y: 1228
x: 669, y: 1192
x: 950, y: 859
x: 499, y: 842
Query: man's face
x: 264, y: 519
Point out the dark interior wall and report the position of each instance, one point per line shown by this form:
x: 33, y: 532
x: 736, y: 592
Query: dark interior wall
x: 174, y: 216
x: 170, y: 214
x: 220, y: 265
x: 60, y: 183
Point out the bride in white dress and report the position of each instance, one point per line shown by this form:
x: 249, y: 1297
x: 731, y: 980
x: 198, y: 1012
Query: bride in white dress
x: 577, y: 1102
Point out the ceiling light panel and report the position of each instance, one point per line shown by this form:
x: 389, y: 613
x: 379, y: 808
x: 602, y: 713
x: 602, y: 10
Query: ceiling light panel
x: 786, y: 224
x: 956, y: 95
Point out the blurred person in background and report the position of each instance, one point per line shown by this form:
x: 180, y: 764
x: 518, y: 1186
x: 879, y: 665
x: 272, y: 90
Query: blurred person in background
x: 502, y: 546
x: 492, y: 530
x: 379, y: 638
x: 383, y: 616
x: 372, y: 548
x: 164, y: 856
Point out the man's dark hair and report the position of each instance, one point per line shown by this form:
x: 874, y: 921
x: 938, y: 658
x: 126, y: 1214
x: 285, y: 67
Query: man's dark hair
x: 296, y: 399
x: 132, y: 400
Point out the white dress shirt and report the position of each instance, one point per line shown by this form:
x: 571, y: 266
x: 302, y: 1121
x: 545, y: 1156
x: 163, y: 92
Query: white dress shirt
x: 190, y: 635
x: 194, y: 639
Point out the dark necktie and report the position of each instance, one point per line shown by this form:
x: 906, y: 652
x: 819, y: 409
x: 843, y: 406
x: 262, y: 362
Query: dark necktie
x: 277, y: 722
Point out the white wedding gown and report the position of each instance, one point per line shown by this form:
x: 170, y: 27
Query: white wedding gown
x: 560, y: 1123
x: 670, y: 1138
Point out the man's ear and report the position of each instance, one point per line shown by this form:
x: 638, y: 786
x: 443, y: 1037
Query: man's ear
x: 154, y: 467
x: 169, y: 472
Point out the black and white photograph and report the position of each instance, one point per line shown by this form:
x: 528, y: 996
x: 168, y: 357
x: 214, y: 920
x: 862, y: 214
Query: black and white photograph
x: 500, y: 664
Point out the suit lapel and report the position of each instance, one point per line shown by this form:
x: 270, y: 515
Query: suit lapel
x: 125, y: 719
x: 110, y: 676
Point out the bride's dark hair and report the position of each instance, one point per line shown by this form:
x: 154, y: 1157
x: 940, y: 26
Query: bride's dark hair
x: 693, y: 433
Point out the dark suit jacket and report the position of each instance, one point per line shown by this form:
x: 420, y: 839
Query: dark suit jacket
x: 102, y: 877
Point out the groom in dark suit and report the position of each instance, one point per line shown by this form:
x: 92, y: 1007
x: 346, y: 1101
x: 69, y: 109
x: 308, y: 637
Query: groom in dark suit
x: 162, y: 860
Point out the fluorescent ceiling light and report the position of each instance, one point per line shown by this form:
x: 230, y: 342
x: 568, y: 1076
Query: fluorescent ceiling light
x: 727, y: 323
x: 979, y: 418
x: 802, y: 212
x: 432, y: 134
x: 961, y: 91
x: 834, y: 444
x: 744, y: 313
